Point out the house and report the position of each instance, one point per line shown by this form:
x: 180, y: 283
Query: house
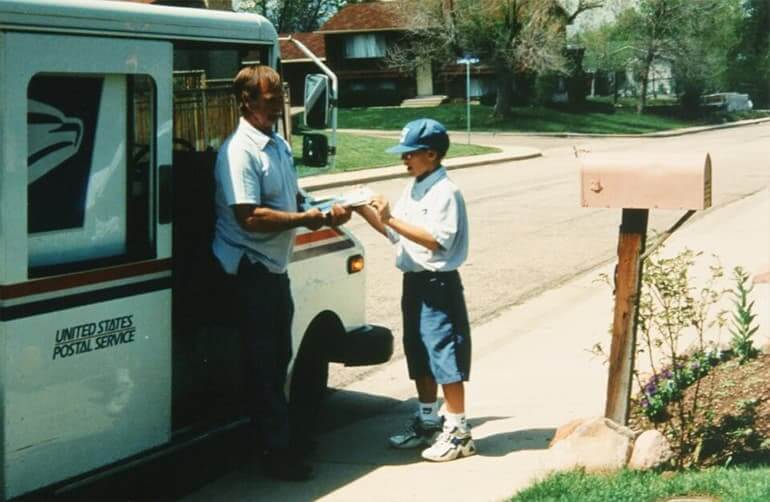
x: 357, y: 40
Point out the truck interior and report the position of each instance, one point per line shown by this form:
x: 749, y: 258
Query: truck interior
x: 208, y: 370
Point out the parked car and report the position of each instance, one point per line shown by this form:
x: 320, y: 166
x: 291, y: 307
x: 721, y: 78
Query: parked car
x: 728, y: 102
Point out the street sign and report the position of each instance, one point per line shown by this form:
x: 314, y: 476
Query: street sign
x: 468, y: 61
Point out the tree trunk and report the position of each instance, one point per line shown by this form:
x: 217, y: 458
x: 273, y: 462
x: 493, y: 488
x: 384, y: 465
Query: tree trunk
x: 504, y: 93
x: 645, y: 79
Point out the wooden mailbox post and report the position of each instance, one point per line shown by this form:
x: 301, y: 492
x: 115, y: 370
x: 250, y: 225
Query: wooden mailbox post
x: 637, y: 183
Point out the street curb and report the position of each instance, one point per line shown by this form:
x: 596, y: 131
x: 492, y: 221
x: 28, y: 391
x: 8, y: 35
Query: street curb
x: 390, y: 172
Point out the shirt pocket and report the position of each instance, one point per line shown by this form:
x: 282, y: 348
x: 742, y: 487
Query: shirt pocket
x: 271, y: 181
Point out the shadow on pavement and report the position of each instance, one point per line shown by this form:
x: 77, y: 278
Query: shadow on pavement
x: 499, y: 445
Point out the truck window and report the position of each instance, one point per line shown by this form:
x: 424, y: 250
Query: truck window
x: 90, y: 156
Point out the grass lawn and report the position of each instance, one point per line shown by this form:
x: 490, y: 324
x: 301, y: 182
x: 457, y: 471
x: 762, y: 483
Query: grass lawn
x: 734, y: 484
x: 592, y: 118
x: 364, y: 152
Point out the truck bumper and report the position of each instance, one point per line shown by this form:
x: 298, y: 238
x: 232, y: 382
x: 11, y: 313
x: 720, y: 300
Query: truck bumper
x: 365, y: 346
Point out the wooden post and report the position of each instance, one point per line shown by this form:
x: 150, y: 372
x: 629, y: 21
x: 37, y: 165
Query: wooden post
x: 628, y: 279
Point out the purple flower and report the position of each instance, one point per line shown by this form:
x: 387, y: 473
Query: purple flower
x: 650, y: 388
x: 644, y: 402
x: 667, y: 374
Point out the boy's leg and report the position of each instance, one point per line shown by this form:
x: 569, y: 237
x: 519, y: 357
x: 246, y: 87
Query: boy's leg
x: 455, y: 440
x: 425, y: 424
x: 454, y: 397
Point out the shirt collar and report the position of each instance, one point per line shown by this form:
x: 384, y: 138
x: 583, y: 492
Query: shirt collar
x: 255, y: 135
x: 420, y: 188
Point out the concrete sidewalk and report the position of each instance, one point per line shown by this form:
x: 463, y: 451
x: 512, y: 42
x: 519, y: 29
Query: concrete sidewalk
x: 532, y: 372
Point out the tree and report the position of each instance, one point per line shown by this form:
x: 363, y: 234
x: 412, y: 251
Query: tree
x: 694, y: 38
x: 509, y: 35
x: 293, y: 16
x: 700, y: 63
x: 749, y: 68
x: 605, y: 50
x: 678, y: 32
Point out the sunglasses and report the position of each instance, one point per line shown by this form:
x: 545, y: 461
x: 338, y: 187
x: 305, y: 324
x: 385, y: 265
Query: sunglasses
x: 409, y: 155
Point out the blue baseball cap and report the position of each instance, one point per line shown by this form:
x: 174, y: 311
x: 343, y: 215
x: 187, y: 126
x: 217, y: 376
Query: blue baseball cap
x: 422, y: 134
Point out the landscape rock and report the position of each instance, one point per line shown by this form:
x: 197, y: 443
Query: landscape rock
x: 596, y: 444
x: 566, y: 429
x: 651, y: 449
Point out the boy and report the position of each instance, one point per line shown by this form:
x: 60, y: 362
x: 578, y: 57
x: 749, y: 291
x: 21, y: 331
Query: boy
x: 429, y: 227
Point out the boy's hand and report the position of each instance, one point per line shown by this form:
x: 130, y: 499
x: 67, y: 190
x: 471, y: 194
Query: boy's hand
x: 382, y: 206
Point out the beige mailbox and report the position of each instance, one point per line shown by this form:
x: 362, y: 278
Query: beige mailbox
x: 645, y: 182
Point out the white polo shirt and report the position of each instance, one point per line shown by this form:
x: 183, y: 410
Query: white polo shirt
x: 253, y: 168
x: 436, y: 205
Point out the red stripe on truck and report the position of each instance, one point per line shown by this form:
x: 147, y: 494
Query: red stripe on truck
x: 318, y: 235
x: 47, y: 285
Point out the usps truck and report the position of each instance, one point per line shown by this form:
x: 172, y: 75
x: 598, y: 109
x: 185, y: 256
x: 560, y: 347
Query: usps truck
x: 116, y: 333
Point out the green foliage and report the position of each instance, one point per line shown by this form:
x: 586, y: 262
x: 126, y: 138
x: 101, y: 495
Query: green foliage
x: 734, y: 485
x: 742, y: 325
x: 693, y: 37
x: 673, y: 313
x: 546, y: 85
x: 292, y: 16
x: 749, y: 57
x: 592, y: 118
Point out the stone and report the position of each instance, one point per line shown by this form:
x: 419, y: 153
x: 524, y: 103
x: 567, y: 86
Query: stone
x: 651, y: 449
x: 565, y: 430
x: 596, y: 444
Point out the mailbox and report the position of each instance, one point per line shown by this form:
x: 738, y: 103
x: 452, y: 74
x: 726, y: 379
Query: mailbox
x: 645, y: 182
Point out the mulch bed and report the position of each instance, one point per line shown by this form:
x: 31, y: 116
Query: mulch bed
x: 721, y: 392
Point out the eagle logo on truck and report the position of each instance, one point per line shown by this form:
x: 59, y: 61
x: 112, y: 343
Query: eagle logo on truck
x: 62, y: 118
x: 52, y: 138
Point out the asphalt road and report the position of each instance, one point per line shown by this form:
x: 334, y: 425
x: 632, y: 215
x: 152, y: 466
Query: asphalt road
x: 528, y: 231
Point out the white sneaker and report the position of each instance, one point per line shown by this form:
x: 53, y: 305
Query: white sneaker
x: 452, y: 443
x: 418, y: 433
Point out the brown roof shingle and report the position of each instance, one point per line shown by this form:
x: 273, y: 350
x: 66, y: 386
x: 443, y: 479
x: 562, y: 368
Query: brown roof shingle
x: 313, y: 41
x: 365, y: 17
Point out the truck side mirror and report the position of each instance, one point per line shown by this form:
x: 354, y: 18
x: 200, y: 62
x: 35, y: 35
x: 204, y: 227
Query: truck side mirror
x: 316, y: 101
x: 315, y: 150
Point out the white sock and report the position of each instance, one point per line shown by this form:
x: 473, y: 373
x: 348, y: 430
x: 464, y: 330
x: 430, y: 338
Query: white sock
x: 428, y: 411
x: 455, y: 420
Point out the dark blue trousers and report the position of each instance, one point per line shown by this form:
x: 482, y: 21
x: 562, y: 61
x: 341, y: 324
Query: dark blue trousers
x: 266, y: 311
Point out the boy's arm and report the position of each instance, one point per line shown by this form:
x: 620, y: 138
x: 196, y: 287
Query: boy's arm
x: 372, y: 217
x: 414, y: 233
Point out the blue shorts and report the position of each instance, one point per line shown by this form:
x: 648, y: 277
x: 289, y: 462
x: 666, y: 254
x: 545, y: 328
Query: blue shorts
x: 437, y: 336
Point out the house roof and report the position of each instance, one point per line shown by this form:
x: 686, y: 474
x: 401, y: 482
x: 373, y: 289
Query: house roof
x: 370, y: 16
x: 290, y: 53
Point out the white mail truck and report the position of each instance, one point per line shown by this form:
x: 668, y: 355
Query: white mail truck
x: 116, y: 329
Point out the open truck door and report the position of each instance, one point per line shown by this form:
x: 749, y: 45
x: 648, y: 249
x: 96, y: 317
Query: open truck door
x: 85, y: 327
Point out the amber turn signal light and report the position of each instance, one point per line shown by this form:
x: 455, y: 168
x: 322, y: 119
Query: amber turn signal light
x: 355, y: 264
